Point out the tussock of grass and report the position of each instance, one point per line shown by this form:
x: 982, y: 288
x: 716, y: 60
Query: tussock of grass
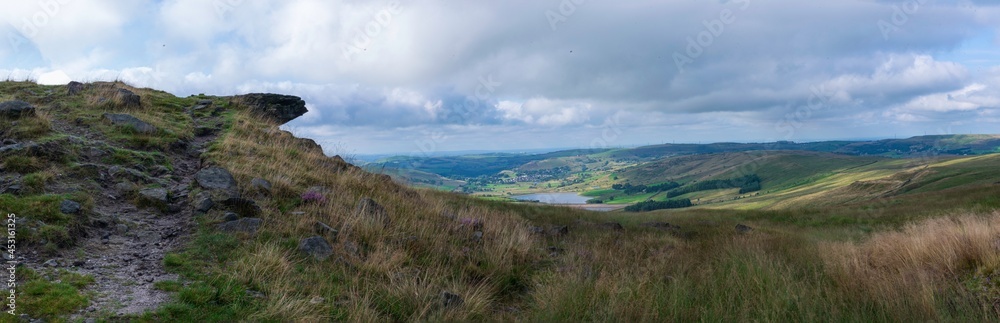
x: 50, y: 297
x: 916, y: 267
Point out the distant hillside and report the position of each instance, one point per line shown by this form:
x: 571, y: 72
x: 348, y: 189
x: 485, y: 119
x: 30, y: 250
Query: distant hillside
x: 468, y: 166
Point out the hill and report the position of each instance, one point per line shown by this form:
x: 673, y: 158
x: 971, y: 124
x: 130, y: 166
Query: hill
x: 132, y: 204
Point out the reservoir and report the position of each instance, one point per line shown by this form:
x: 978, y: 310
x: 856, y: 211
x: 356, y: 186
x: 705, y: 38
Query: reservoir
x: 554, y: 198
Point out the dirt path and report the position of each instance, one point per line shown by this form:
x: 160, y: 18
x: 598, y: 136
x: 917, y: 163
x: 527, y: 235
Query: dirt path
x: 124, y: 245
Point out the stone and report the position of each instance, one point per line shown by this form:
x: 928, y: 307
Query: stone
x: 16, y: 109
x: 536, y: 230
x: 203, y: 202
x: 477, y: 236
x: 277, y: 107
x: 159, y: 170
x: 69, y: 207
x: 242, y: 206
x: 230, y: 216
x: 51, y: 263
x: 261, y: 185
x: 127, y: 120
x: 74, y: 88
x: 743, y: 229
x: 325, y: 230
x: 127, y: 99
x: 247, y: 225
x: 129, y: 174
x: 449, y: 299
x: 155, y: 196
x: 316, y: 247
x: 125, y: 188
x: 559, y: 230
x: 373, y: 212
x: 216, y: 178
x: 205, y: 102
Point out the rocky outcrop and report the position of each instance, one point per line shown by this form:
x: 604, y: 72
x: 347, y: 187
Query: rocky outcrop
x: 16, y: 109
x: 121, y: 119
x: 74, y: 88
x: 277, y: 107
x: 127, y: 99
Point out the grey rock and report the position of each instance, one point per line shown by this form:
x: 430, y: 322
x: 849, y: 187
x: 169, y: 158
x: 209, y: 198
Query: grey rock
x: 205, y: 102
x: 477, y: 236
x: 743, y: 229
x: 16, y: 109
x: 449, y: 299
x: 125, y: 188
x: 297, y: 213
x: 122, y: 119
x: 325, y: 230
x: 203, y: 202
x: 277, y: 107
x: 217, y: 178
x: 248, y: 225
x: 159, y: 170
x: 230, y: 216
x: 559, y: 230
x: 69, y: 207
x: 352, y: 248
x: 316, y: 247
x: 130, y: 174
x: 536, y: 230
x: 373, y: 212
x: 127, y: 98
x: 155, y: 196
x: 51, y: 263
x: 261, y: 185
x: 74, y: 88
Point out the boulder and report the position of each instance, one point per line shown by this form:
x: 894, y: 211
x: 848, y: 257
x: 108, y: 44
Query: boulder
x: 316, y: 247
x: 373, y: 212
x: 16, y: 109
x: 127, y: 99
x: 246, y: 225
x: 217, y: 178
x: 325, y: 230
x: 203, y: 202
x: 127, y: 120
x: 69, y: 207
x: 74, y: 88
x: 230, y: 216
x: 155, y: 196
x: 277, y: 107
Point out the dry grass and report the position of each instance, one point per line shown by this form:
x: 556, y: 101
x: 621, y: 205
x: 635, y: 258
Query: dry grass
x: 918, y: 266
x: 398, y: 272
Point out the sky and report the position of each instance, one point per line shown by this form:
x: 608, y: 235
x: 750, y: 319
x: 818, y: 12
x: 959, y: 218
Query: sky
x: 423, y: 77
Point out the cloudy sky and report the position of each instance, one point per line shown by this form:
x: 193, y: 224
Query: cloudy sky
x: 418, y: 77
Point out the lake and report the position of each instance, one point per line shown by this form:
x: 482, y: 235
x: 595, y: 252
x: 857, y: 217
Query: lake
x: 554, y: 198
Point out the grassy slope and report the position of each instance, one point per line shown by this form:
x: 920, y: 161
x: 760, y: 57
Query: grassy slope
x: 837, y: 262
